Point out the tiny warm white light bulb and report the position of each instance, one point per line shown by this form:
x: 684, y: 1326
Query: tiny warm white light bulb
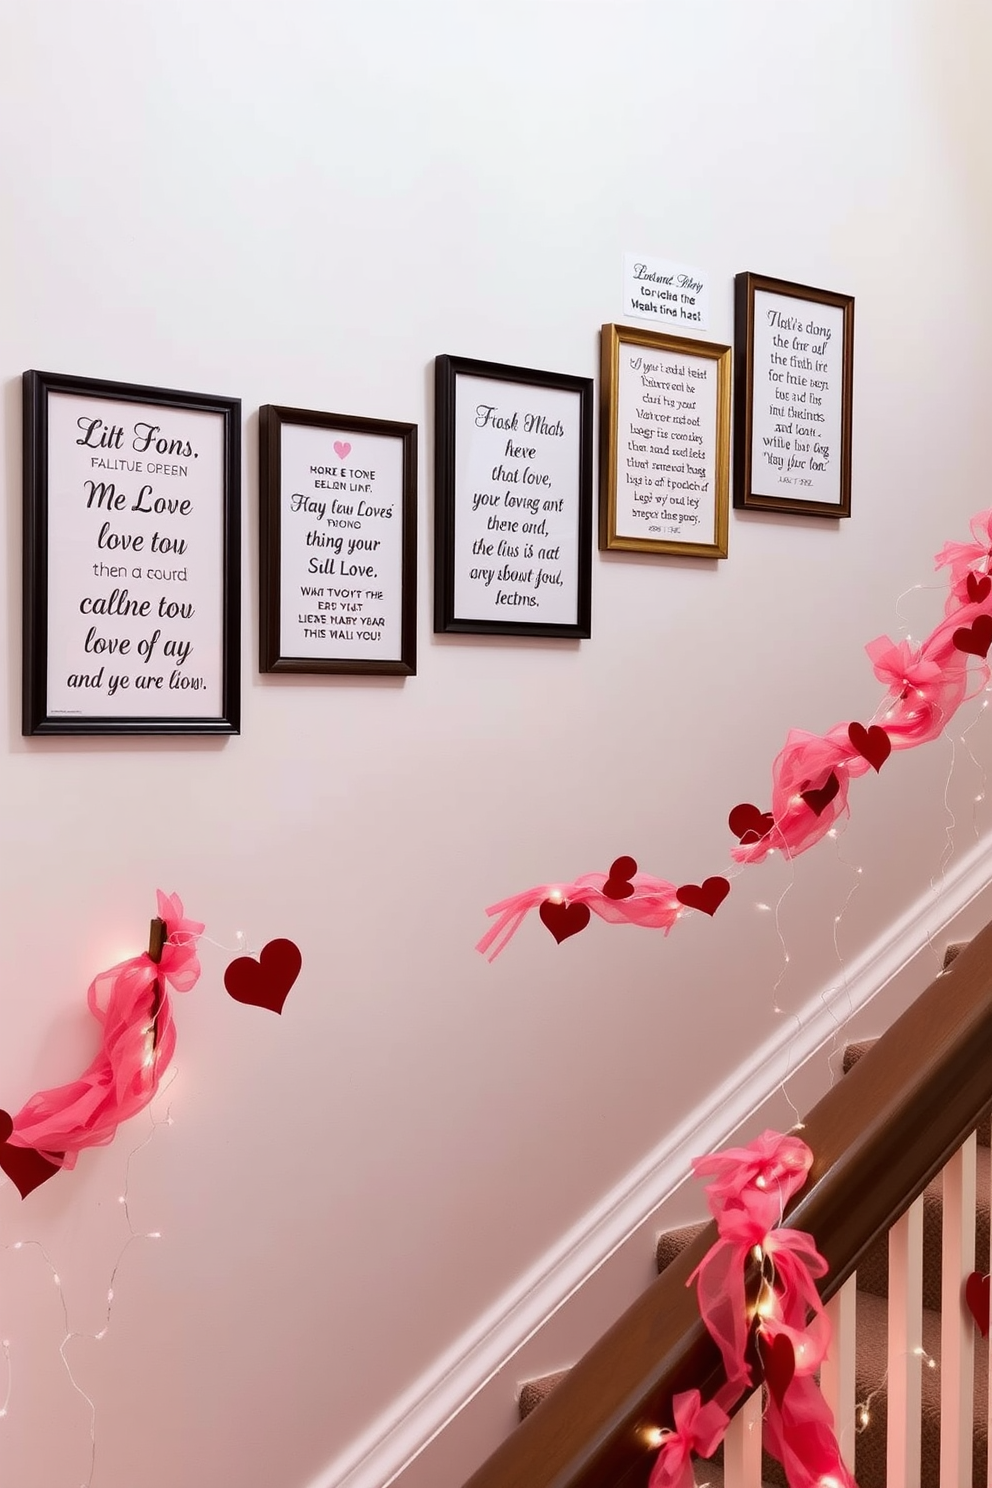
x: 122, y: 1198
x: 55, y: 1278
x: 765, y: 907
x: 837, y: 919
x: 758, y: 1253
x: 760, y: 1181
x: 154, y: 1235
x: 864, y: 1417
x: 832, y: 832
x: 102, y: 1334
x: 110, y: 1294
x: 18, y: 1244
x: 555, y: 896
x: 980, y: 796
x: 653, y: 1437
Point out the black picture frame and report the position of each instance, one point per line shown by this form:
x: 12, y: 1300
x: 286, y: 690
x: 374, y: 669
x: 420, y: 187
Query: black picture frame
x: 452, y: 612
x: 354, y: 528
x: 829, y: 377
x: 101, y: 429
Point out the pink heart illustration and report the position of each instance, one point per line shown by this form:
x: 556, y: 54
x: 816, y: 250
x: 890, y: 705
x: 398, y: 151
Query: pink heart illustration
x: 342, y: 448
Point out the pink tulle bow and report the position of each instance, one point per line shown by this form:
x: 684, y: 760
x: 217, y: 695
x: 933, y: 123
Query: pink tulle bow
x: 751, y: 1186
x: 699, y: 1429
x: 139, y: 1038
x: 773, y: 1167
x: 653, y: 905
x: 960, y: 557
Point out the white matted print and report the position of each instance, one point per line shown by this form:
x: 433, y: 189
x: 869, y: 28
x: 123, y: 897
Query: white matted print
x: 794, y: 406
x: 514, y: 499
x: 664, y: 462
x: 132, y: 521
x: 338, y: 543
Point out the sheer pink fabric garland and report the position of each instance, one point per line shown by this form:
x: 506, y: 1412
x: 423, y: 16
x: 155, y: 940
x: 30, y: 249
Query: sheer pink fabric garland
x: 812, y: 773
x: 131, y: 1001
x: 751, y: 1186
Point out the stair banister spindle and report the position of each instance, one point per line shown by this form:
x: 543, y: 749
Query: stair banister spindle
x: 742, y: 1447
x: 905, y: 1344
x: 957, y: 1362
x: 837, y: 1372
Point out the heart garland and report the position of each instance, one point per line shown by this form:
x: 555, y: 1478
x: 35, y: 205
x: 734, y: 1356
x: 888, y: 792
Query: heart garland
x: 266, y: 982
x: 976, y: 1295
x: 564, y: 919
x: 707, y: 896
x: 132, y: 1003
x: 925, y: 689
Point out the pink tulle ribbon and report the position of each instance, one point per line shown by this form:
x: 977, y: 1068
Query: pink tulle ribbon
x: 653, y: 904
x: 699, y: 1429
x: 799, y: 1431
x: 132, y: 1003
x: 749, y: 1189
x: 812, y: 773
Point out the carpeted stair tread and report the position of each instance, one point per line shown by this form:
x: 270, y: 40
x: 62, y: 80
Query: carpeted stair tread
x: 536, y: 1390
x: 673, y: 1242
x: 854, y: 1052
x: 873, y: 1271
x: 870, y: 1373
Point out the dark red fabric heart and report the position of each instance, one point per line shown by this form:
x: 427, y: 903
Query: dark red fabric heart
x: 618, y: 884
x: 779, y: 1359
x: 707, y: 896
x: 976, y: 638
x: 564, y: 919
x: 26, y: 1168
x: 267, y: 981
x: 748, y: 824
x: 818, y: 800
x: 976, y: 1294
x: 979, y: 587
x: 873, y: 744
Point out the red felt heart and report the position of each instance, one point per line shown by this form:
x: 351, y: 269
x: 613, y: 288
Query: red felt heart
x: 707, y: 896
x: 749, y: 824
x: 564, y: 919
x: 779, y: 1359
x: 618, y: 884
x: 979, y: 587
x: 976, y: 1294
x: 873, y: 744
x: 975, y: 639
x: 25, y: 1167
x: 267, y: 981
x: 818, y: 800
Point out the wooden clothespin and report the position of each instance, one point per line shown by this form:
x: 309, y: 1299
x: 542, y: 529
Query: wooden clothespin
x: 156, y: 945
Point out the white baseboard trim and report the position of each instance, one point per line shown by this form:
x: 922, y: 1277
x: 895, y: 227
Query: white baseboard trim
x: 383, y: 1452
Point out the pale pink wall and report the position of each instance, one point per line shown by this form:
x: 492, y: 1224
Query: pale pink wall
x: 304, y: 204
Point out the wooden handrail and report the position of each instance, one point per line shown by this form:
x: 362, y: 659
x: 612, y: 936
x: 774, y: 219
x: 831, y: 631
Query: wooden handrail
x: 878, y: 1138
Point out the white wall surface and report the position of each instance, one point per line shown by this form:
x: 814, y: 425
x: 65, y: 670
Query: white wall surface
x: 304, y: 204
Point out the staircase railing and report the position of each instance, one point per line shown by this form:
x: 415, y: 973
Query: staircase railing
x: 903, y: 1113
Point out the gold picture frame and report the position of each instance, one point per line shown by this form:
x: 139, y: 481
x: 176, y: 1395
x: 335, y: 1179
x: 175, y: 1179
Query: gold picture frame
x: 665, y: 413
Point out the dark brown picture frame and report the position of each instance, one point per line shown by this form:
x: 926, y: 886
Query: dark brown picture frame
x: 748, y: 494
x: 272, y: 656
x: 447, y: 371
x: 38, y: 501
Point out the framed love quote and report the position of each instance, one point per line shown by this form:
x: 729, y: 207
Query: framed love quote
x: 665, y: 444
x: 794, y: 397
x: 338, y: 529
x: 132, y: 527
x: 513, y: 500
